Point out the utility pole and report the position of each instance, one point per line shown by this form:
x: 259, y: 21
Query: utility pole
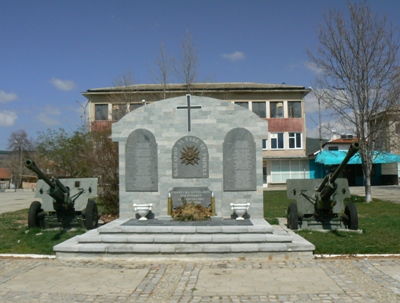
x: 20, y: 161
x: 84, y: 113
x: 319, y: 124
x: 319, y: 117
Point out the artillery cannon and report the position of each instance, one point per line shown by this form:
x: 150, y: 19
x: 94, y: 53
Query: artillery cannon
x: 320, y: 202
x: 65, y: 202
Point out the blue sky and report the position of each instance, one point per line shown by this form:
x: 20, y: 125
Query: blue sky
x: 51, y: 51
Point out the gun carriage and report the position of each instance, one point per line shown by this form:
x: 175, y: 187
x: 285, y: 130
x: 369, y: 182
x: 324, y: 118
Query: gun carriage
x: 65, y: 202
x: 320, y: 202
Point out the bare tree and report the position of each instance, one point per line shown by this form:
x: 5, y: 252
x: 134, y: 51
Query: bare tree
x: 186, y: 68
x: 162, y: 74
x: 357, y: 57
x: 124, y: 96
x: 21, y: 147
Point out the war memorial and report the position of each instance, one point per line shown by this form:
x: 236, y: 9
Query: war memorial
x: 194, y: 149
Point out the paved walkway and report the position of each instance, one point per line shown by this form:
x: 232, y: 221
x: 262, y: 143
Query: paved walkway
x: 321, y: 280
x: 386, y: 193
x: 16, y: 200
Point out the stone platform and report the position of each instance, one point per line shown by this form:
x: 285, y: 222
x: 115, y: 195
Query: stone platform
x: 228, y: 239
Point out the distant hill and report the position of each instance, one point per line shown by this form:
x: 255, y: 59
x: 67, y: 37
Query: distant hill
x: 4, y: 154
x: 313, y: 145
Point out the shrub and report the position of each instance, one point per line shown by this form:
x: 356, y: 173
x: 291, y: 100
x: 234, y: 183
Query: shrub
x: 191, y: 212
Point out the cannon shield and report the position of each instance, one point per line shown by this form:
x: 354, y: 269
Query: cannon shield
x: 320, y: 202
x: 65, y: 202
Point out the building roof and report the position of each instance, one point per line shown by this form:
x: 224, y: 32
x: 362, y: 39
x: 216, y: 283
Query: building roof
x: 335, y: 157
x: 208, y: 87
x: 5, y: 173
x: 344, y: 139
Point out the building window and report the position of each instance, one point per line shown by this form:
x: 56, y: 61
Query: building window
x: 397, y: 128
x: 277, y: 141
x: 134, y: 106
x: 118, y: 111
x: 264, y: 144
x: 243, y: 104
x: 295, y: 140
x: 294, y: 109
x: 281, y: 170
x: 276, y: 109
x: 265, y: 172
x: 101, y: 112
x: 259, y: 109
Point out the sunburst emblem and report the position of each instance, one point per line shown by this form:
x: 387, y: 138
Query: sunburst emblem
x: 190, y: 155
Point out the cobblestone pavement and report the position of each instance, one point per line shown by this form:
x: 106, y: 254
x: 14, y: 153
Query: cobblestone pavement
x: 319, y: 280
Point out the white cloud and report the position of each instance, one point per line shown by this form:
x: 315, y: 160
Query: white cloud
x: 51, y: 110
x: 311, y: 103
x: 48, y: 115
x: 235, y: 56
x: 330, y: 127
x: 7, y: 97
x: 313, y: 67
x: 65, y: 85
x: 7, y: 118
x: 313, y: 132
x: 47, y: 120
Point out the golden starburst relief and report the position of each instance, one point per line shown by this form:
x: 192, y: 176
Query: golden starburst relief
x: 190, y: 155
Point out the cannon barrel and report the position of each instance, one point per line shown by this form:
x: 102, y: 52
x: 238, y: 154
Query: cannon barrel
x: 354, y: 147
x: 327, y: 186
x: 321, y: 202
x: 32, y: 166
x: 57, y: 190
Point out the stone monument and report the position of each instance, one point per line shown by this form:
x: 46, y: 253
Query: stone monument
x: 191, y: 147
x: 198, y: 149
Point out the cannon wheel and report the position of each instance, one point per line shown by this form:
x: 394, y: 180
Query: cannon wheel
x: 352, y: 216
x: 33, y: 216
x: 293, y: 217
x: 91, y: 215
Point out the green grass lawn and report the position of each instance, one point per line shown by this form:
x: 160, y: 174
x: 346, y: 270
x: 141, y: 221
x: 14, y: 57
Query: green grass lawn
x: 379, y: 221
x: 16, y: 238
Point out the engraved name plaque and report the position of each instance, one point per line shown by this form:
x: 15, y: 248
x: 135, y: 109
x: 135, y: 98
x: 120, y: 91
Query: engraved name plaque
x: 239, y: 161
x: 141, y: 162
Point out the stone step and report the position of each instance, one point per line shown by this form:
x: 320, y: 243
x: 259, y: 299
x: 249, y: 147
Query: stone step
x: 122, y: 226
x: 183, y: 248
x: 119, y: 239
x: 185, y: 238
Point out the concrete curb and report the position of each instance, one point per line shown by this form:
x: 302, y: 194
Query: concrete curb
x: 27, y: 256
x: 327, y: 256
x: 317, y: 256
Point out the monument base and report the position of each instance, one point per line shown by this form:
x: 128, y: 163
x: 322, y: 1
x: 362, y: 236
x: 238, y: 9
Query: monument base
x: 164, y: 218
x: 222, y: 239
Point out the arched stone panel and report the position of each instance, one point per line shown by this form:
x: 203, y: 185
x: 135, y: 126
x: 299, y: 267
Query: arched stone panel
x: 190, y: 158
x: 141, y: 162
x: 239, y: 152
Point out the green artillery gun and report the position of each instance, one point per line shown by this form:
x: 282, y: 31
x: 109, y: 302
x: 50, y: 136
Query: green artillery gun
x: 320, y: 202
x: 65, y: 203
